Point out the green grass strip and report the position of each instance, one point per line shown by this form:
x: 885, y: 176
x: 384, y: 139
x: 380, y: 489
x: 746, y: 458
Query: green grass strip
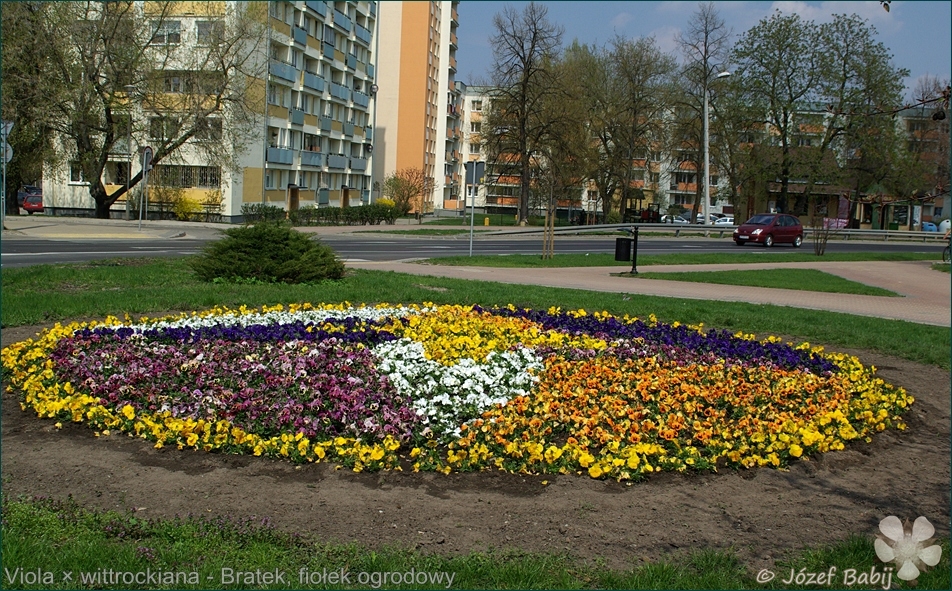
x: 799, y: 279
x: 422, y: 232
x: 608, y: 260
x: 45, y: 294
x: 50, y: 537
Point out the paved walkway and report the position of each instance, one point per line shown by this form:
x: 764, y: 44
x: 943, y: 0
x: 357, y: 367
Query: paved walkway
x: 927, y: 294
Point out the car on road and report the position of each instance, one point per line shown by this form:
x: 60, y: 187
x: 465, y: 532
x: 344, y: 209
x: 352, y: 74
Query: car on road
x: 33, y: 204
x: 673, y: 219
x: 769, y: 229
x: 25, y: 192
x: 724, y: 221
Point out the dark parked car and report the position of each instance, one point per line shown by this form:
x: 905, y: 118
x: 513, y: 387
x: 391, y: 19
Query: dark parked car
x: 26, y: 191
x: 33, y: 203
x: 769, y: 229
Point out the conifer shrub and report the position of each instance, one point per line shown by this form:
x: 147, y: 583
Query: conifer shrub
x: 267, y: 252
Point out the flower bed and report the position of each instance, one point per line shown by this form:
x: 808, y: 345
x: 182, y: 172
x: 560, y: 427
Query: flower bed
x: 455, y: 388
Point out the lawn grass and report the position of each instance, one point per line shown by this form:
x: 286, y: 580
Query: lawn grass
x: 944, y: 267
x: 799, y: 279
x: 98, y: 542
x: 422, y: 232
x: 45, y: 294
x: 693, y: 258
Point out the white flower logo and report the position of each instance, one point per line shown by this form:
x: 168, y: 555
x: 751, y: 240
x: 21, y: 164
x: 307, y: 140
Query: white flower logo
x: 907, y: 547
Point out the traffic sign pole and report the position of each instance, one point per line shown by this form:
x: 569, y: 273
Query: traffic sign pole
x: 7, y: 157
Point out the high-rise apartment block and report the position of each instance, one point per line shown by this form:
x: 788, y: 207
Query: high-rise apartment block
x: 316, y: 101
x: 418, y: 104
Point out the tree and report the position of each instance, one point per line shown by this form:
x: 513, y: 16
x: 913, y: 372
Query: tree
x: 525, y: 50
x: 408, y: 188
x: 705, y: 45
x: 101, y: 61
x: 778, y: 67
x: 24, y: 99
x: 625, y: 91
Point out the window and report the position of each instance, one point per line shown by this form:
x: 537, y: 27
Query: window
x: 163, y: 128
x: 477, y: 105
x: 209, y: 177
x: 269, y: 179
x: 76, y: 173
x: 475, y: 126
x: 656, y: 177
x: 174, y: 83
x: 474, y: 148
x: 167, y: 32
x: 804, y: 141
x: 208, y: 129
x: 684, y: 177
x: 714, y: 180
x: 209, y: 32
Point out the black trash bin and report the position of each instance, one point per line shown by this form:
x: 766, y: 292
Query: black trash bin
x: 623, y: 249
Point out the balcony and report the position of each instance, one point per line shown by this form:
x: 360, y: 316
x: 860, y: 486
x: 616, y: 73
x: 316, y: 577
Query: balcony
x: 339, y: 91
x: 299, y: 34
x: 373, y: 8
x: 341, y: 21
x: 453, y: 40
x: 318, y: 7
x: 325, y: 123
x: 280, y: 155
x: 297, y: 117
x: 349, y: 129
x: 359, y: 164
x: 337, y: 161
x: 370, y: 71
x: 369, y: 134
x: 283, y: 70
x: 313, y: 82
x: 351, y: 61
x: 361, y: 99
x: 312, y: 159
x: 328, y: 51
x: 452, y: 64
x: 363, y: 35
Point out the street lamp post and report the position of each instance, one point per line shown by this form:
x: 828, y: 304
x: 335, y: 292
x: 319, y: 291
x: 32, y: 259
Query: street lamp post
x: 707, y: 152
x: 130, y: 89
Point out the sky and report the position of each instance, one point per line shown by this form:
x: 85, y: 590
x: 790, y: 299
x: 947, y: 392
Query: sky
x: 918, y: 34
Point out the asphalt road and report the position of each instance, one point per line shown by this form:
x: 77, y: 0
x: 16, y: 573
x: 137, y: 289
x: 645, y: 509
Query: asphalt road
x: 388, y: 247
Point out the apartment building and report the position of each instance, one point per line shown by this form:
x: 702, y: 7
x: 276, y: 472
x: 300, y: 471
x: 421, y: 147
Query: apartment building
x: 418, y: 108
x: 316, y: 99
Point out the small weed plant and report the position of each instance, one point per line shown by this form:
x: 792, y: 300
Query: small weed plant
x: 267, y: 252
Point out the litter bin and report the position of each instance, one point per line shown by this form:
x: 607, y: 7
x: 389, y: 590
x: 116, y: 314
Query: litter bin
x: 623, y: 249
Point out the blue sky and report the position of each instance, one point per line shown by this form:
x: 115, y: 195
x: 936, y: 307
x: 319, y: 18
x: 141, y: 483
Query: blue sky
x: 918, y: 34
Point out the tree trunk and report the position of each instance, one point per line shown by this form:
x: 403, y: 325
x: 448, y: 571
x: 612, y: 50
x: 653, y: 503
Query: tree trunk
x: 524, y: 190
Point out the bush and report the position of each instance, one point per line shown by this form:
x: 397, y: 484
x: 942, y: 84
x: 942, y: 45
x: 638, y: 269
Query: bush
x: 267, y: 252
x: 613, y: 218
x: 254, y: 213
x: 185, y: 208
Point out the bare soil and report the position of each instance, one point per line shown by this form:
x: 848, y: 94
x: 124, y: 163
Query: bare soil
x: 764, y: 515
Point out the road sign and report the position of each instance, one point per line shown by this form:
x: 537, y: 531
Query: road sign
x: 147, y: 159
x: 474, y: 172
x: 7, y: 149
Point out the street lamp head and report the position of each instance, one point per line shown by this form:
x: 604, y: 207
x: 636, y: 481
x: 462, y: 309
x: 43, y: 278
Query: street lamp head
x: 723, y: 74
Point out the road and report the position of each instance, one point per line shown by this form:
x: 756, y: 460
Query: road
x: 389, y: 247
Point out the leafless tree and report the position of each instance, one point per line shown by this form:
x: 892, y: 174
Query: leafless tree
x: 525, y: 48
x: 705, y: 45
x: 113, y: 65
x: 409, y: 188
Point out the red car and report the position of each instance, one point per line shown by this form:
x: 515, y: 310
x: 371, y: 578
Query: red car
x: 769, y: 229
x: 33, y: 203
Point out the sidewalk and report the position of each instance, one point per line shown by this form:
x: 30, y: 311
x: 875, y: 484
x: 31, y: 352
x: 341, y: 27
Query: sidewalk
x: 927, y: 294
